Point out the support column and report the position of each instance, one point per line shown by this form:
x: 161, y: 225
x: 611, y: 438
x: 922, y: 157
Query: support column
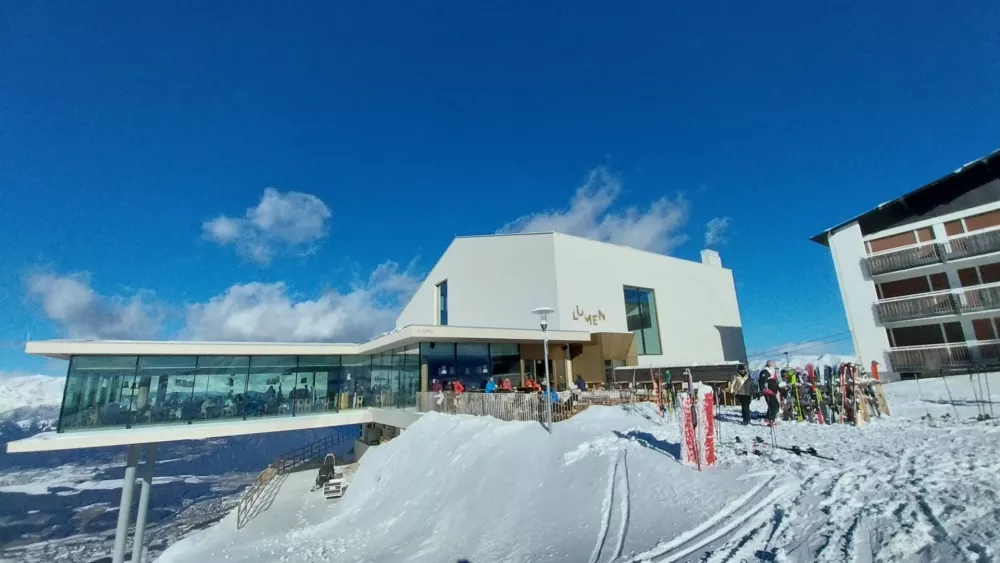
x: 140, y: 519
x: 125, y: 508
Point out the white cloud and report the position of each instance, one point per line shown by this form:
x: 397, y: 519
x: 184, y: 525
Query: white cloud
x: 282, y: 223
x: 80, y: 312
x: 715, y: 231
x: 267, y: 312
x: 590, y: 215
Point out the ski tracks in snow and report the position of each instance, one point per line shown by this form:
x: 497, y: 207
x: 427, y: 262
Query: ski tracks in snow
x: 733, y: 516
x: 617, y: 481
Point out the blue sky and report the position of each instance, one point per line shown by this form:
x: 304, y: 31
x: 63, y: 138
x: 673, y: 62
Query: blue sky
x: 126, y: 132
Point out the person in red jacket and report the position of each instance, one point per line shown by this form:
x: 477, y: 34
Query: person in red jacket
x: 505, y: 384
x: 459, y: 388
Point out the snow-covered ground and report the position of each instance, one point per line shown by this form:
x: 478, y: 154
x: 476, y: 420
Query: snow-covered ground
x: 607, y: 486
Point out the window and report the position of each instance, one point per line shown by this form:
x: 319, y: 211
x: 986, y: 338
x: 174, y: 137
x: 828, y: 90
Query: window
x: 640, y: 316
x: 442, y: 303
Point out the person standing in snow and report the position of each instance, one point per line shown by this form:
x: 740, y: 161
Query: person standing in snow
x: 745, y: 388
x: 580, y: 383
x: 768, y: 382
x: 436, y: 386
x: 491, y: 386
x: 505, y: 384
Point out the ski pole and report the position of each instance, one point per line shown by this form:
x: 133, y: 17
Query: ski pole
x: 979, y: 380
x: 950, y: 398
x: 975, y: 394
x: 989, y: 393
x: 921, y: 393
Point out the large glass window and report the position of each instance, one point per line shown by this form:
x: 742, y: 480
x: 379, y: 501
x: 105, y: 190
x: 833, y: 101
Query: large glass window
x: 356, y: 382
x: 319, y: 383
x: 440, y: 360
x: 641, y: 318
x: 99, y: 392
x: 409, y: 377
x: 165, y: 387
x: 442, y: 301
x: 505, y: 363
x: 381, y: 369
x: 220, y: 382
x: 473, y: 363
x: 271, y: 380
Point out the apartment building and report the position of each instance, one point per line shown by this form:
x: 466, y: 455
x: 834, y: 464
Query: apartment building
x: 920, y: 275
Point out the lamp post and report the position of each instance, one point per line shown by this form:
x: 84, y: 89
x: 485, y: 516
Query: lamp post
x: 543, y: 313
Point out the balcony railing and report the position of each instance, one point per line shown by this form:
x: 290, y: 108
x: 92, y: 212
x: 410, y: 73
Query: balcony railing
x: 949, y: 302
x: 923, y: 254
x: 975, y: 244
x: 945, y: 356
x: 933, y: 305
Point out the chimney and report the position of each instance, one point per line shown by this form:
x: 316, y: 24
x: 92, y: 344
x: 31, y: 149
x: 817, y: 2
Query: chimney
x: 711, y: 258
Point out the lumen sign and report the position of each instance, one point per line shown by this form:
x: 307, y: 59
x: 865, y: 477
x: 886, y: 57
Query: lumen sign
x: 589, y: 318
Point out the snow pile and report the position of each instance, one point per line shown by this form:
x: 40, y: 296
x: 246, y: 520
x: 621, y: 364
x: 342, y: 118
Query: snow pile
x: 606, y: 483
x: 30, y: 391
x: 607, y: 486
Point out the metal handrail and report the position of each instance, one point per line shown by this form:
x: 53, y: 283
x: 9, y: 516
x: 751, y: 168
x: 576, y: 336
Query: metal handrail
x: 282, y: 465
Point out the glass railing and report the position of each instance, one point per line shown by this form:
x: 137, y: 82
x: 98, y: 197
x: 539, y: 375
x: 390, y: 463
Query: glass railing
x: 945, y: 356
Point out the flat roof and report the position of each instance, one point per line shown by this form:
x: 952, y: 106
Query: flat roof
x: 105, y: 437
x: 411, y: 334
x: 969, y: 176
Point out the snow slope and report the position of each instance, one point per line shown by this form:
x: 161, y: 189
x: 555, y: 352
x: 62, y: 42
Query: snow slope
x: 606, y: 486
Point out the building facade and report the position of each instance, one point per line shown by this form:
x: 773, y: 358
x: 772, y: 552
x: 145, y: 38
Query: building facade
x: 920, y: 276
x: 469, y: 321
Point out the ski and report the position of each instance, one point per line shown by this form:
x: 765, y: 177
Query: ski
x: 794, y: 449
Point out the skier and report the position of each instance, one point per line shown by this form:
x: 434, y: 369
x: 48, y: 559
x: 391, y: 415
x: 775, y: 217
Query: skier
x: 768, y: 382
x: 745, y: 388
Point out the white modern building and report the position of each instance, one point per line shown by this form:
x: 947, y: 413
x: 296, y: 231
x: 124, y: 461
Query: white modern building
x: 920, y: 275
x: 471, y: 319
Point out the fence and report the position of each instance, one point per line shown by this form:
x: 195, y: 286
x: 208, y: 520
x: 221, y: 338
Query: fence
x: 525, y: 406
x: 249, y: 504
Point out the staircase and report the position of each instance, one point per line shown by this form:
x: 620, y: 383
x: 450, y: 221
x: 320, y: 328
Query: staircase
x: 257, y: 497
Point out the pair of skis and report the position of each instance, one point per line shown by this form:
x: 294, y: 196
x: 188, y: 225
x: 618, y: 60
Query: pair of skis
x: 758, y: 441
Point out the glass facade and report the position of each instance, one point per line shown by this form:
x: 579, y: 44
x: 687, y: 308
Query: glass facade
x: 641, y: 318
x: 127, y: 391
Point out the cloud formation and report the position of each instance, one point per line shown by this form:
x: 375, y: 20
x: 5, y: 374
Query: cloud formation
x: 71, y: 303
x: 591, y: 215
x: 715, y: 231
x: 268, y: 312
x: 282, y: 223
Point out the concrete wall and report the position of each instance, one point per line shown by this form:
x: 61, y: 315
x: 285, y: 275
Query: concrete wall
x: 699, y: 318
x: 858, y: 293
x: 493, y: 281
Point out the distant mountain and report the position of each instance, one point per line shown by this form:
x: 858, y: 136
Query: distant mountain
x: 29, y: 391
x: 801, y: 360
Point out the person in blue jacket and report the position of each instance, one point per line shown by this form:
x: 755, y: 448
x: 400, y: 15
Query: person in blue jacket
x: 491, y: 386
